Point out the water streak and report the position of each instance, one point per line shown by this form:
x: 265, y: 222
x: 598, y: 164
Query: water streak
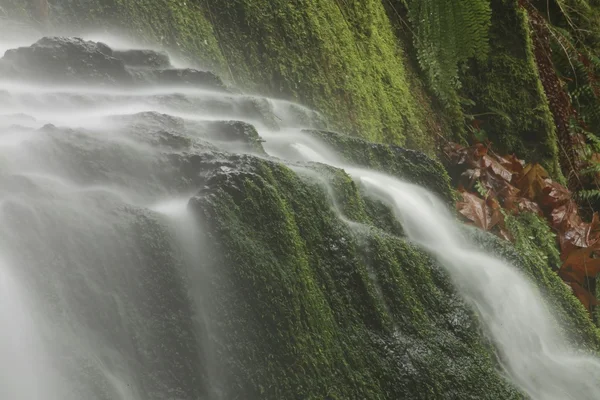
x: 513, y: 312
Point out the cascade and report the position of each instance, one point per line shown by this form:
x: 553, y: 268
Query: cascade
x: 103, y: 282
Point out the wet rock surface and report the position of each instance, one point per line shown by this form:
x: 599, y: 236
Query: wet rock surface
x: 74, y: 60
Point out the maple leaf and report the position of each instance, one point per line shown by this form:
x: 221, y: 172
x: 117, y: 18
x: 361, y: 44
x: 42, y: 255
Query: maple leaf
x: 579, y: 264
x: 521, y: 204
x: 580, y: 234
x: 585, y: 297
x: 476, y: 211
x: 495, y: 167
x: 554, y: 195
x: 532, y: 181
x: 566, y: 217
x: 469, y: 156
x: 511, y: 163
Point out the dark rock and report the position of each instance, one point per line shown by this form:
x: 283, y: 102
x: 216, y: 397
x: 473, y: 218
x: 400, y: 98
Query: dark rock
x: 188, y: 77
x: 143, y: 58
x: 61, y: 59
x: 236, y: 131
x: 74, y: 60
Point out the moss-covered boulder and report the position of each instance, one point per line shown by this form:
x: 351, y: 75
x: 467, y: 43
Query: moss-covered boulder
x: 310, y: 306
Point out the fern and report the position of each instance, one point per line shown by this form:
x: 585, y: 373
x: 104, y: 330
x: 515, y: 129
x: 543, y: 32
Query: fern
x: 588, y: 195
x: 447, y: 33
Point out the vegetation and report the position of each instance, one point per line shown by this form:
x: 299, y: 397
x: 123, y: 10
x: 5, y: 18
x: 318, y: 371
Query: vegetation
x: 504, y: 186
x: 310, y: 305
x: 313, y: 307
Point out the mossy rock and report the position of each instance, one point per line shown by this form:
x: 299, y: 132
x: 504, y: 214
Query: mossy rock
x: 311, y: 308
x: 413, y: 166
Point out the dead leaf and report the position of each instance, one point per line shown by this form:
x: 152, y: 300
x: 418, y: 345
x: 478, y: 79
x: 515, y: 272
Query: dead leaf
x: 554, y: 195
x: 585, y: 297
x: 475, y: 210
x: 531, y: 181
x: 580, y: 264
x: 511, y: 163
x: 565, y: 217
x: 494, y: 166
x: 526, y: 205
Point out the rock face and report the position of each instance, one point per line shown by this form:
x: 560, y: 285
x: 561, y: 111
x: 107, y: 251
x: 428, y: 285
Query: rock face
x: 143, y: 58
x: 65, y: 60
x: 74, y: 60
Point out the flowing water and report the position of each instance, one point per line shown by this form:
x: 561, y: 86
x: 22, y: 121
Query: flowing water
x: 100, y: 268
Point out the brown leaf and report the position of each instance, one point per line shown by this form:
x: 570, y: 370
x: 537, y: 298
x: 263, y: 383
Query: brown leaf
x: 593, y: 231
x: 494, y: 166
x: 468, y: 156
x: 511, y: 163
x: 554, y: 195
x: 526, y: 205
x: 531, y: 181
x: 470, y: 176
x: 565, y: 217
x: 585, y: 297
x: 580, y: 264
x: 475, y: 210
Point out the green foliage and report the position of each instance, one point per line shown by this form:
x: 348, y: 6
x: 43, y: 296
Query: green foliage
x: 507, y: 94
x: 178, y: 25
x: 405, y: 164
x: 448, y: 33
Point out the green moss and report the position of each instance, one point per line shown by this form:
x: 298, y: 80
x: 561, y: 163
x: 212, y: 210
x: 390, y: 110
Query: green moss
x: 311, y: 308
x: 179, y: 25
x: 508, y: 94
x: 344, y: 60
x: 410, y: 165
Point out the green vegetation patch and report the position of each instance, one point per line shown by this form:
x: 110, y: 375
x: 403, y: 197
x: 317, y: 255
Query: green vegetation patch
x: 340, y: 57
x: 509, y: 100
x: 312, y: 307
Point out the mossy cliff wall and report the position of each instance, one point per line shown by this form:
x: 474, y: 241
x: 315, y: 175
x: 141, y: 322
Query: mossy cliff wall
x: 507, y: 93
x: 309, y: 306
x: 351, y: 59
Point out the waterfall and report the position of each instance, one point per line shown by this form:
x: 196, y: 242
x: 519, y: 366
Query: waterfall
x: 102, y: 277
x: 513, y: 312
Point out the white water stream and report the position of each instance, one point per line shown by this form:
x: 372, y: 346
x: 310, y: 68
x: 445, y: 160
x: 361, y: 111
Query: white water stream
x: 537, y: 358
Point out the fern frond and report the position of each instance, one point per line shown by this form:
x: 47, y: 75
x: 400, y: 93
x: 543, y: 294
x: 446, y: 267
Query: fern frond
x: 447, y: 33
x: 588, y: 195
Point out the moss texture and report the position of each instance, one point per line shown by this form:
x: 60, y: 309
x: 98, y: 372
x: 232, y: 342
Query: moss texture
x: 179, y: 25
x: 402, y: 163
x: 507, y: 92
x: 354, y: 71
x: 313, y: 308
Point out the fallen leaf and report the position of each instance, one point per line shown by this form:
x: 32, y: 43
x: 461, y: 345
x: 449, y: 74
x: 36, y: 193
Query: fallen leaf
x: 475, y: 210
x: 580, y: 264
x: 554, y: 195
x: 470, y: 176
x: 585, y: 297
x: 566, y: 217
x: 526, y: 205
x: 531, y: 181
x: 494, y: 166
x: 511, y: 163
